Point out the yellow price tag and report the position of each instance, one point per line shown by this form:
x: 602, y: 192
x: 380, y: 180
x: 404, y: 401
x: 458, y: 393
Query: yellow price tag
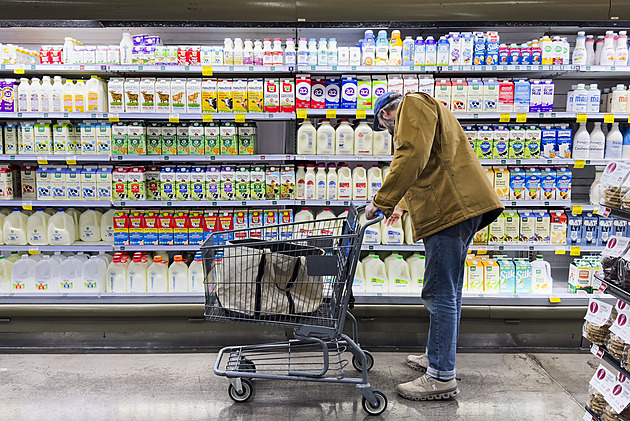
x: 609, y: 118
x: 331, y: 113
x: 239, y: 118
x: 33, y: 250
x: 206, y: 70
x: 482, y: 251
x: 42, y: 161
x: 581, y: 118
x: 114, y: 118
x: 561, y: 251
x: 27, y: 205
x: 554, y: 300
x: 71, y: 160
x: 505, y: 118
x: 575, y: 251
x: 207, y: 118
x: 173, y: 118
x: 19, y: 71
x: 361, y: 115
x: 521, y: 118
x: 628, y: 118
x: 579, y: 163
x: 577, y: 210
x: 302, y: 113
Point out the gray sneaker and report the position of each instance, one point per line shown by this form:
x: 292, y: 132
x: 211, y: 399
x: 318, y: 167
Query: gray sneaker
x: 418, y: 362
x: 426, y: 388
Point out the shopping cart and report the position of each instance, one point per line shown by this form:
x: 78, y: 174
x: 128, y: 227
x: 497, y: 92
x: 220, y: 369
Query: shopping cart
x: 297, y: 276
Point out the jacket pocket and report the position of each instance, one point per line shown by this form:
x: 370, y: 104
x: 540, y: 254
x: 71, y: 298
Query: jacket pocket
x: 423, y: 204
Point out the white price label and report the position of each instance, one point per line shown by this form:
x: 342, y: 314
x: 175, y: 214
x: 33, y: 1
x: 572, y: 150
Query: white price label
x: 597, y: 284
x: 588, y: 417
x: 621, y: 327
x: 598, y: 312
x: 597, y: 351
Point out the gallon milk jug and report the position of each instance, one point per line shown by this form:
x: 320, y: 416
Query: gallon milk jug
x: 80, y: 256
x: 23, y: 275
x: 136, y: 275
x: 326, y: 228
x: 358, y: 285
x: 345, y: 138
x: 359, y: 183
x: 331, y: 183
x: 46, y: 275
x: 5, y: 275
x: 37, y: 228
x: 163, y: 255
x: 416, y: 269
x: 325, y: 138
x: 320, y: 182
x: 375, y: 276
x: 393, y: 256
x: 75, y: 217
x: 93, y: 272
x: 105, y: 257
x: 344, y: 177
x: 325, y: 214
x: 117, y: 275
x: 408, y: 229
x: 541, y: 276
x: 15, y: 256
x: 178, y: 275
x: 372, y: 233
x: 382, y: 143
x: 309, y: 182
x: 14, y: 229
x: 363, y: 139
x: 375, y: 181
x: 306, y: 138
x: 90, y: 226
x: 394, y: 234
x: 386, y: 170
x: 399, y: 276
x: 157, y: 276
x: 196, y: 274
x: 300, y: 182
x: 70, y: 275
x: 61, y: 229
x: 304, y: 215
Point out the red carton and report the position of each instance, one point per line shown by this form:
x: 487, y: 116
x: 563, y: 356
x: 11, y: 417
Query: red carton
x: 506, y: 96
x: 180, y: 228
x: 210, y: 223
x: 165, y: 228
x: 195, y: 228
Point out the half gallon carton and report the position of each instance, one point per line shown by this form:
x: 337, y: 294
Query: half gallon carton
x: 475, y: 96
x: 239, y: 95
x: 116, y: 90
x: 496, y: 230
x: 167, y: 183
x: 247, y: 138
x: 564, y: 179
x: 517, y: 142
x: 591, y: 229
x: 492, y: 276
x: 165, y: 228
x: 364, y: 98
x: 579, y: 275
x: 198, y: 183
x: 575, y: 230
x: 120, y: 142
x: 228, y: 180
x: 103, y: 138
x: 287, y: 95
x: 154, y: 138
x: 490, y: 96
x: 258, y: 186
x: 132, y: 95
x: 178, y: 95
x: 152, y: 175
x: 169, y: 139
x: 272, y: 95
x: 212, y: 136
x: 209, y: 96
x: 182, y: 183
x: 475, y: 271
x: 558, y: 228
x: 121, y: 227
x: 151, y: 229
x: 533, y: 184
x: 120, y: 180
x: 528, y: 227
x: 147, y: 95
x: 533, y: 142
x: 517, y: 183
x: 507, y: 276
x: 543, y: 227
x: 180, y: 228
x: 193, y: 95
x: 163, y: 95
x: 523, y: 275
x: 548, y: 184
x: 255, y: 88
x: 242, y: 183
x: 136, y: 184
x: 213, y: 183
x: 195, y: 228
x: 459, y: 96
x: 224, y: 95
x: 137, y: 138
x: 196, y: 139
x: 443, y: 92
x: 502, y: 182
x: 287, y: 182
x: 136, y: 228
x: 228, y: 138
x: 501, y: 142
x: 183, y: 139
x: 512, y: 227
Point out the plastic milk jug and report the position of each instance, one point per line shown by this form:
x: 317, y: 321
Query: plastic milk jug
x: 75, y: 217
x: 300, y: 182
x: 105, y: 257
x: 325, y: 139
x: 107, y: 226
x: 394, y: 234
x: 375, y: 181
x: 196, y: 274
x: 136, y: 275
x: 93, y: 272
x: 345, y: 138
x: 382, y: 143
x: 309, y: 182
x: 393, y: 256
x: 157, y: 275
x: 331, y: 183
x: 408, y: 229
x: 320, y: 182
x: 61, y: 229
x: 47, y: 275
x: 399, y: 276
x: 14, y: 229
x: 304, y: 215
x: 363, y: 139
x: 37, y: 228
x: 23, y: 275
x: 326, y: 213
x: 375, y: 276
x: 541, y: 276
x: 5, y: 275
x: 344, y: 176
x: 358, y: 285
x: 416, y: 264
x: 178, y: 275
x: 359, y: 183
x: 372, y: 233
x: 90, y: 226
x: 306, y: 138
x: 2, y: 218
x: 70, y: 275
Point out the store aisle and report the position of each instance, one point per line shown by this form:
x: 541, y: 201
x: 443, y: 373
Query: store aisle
x: 183, y: 387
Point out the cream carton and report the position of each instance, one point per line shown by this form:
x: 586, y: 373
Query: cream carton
x: 136, y: 183
x: 443, y: 92
x: 459, y: 96
x: 224, y: 95
x: 492, y: 277
x: 152, y: 175
x: 213, y: 183
x: 490, y: 96
x: 209, y: 96
x: 104, y: 181
x: 58, y: 184
x: 517, y: 183
x: 88, y: 138
x: 182, y: 183
x: 103, y: 138
x: 475, y: 96
x: 543, y: 227
x: 558, y: 226
x: 496, y: 230
x: 410, y: 84
x: 193, y: 95
x: 147, y: 95
x: 163, y: 93
x: 272, y: 95
x: 73, y: 184
x: 239, y: 95
x: 178, y: 96
x: 426, y: 84
x: 228, y: 179
x: 132, y: 95
x: 528, y: 227
x: 475, y: 269
x: 28, y: 179
x: 255, y: 89
x: 168, y: 190
x: 88, y: 183
x: 116, y: 91
x: 512, y: 227
x: 502, y: 182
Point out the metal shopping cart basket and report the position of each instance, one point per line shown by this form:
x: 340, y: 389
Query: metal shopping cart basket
x: 297, y: 276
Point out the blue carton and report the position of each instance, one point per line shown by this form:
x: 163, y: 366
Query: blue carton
x: 349, y: 92
x: 333, y: 92
x: 605, y: 230
x: 575, y: 233
x: 620, y: 227
x: 591, y: 230
x: 507, y: 276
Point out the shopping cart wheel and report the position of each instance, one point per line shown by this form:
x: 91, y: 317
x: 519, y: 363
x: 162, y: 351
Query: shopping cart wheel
x: 246, y: 394
x: 380, y: 407
x: 246, y: 366
x: 356, y: 363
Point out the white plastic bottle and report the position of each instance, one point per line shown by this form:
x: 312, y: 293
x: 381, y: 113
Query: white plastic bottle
x: 126, y: 47
x: 68, y: 96
x: 324, y: 214
x: 80, y: 97
x: 248, y: 53
x: 290, y: 56
x: 344, y: 176
x: 267, y: 52
x: 614, y: 142
x: 597, y: 142
x: 372, y: 233
x: 23, y: 275
x: 178, y: 275
x: 196, y: 274
x: 430, y: 51
x: 277, y: 56
x: 117, y: 275
x: 107, y: 226
x: 599, y: 48
x: 608, y: 52
x: 320, y: 182
x: 136, y: 275
x: 542, y: 282
x: 375, y: 181
x: 394, y: 234
x: 35, y: 95
x: 416, y: 264
x: 443, y: 51
x: 619, y: 99
x: 238, y: 52
x: 304, y: 215
x: 302, y: 53
x: 228, y: 52
x: 333, y: 53
x: 566, y: 48
x: 300, y: 182
x: 590, y: 50
x: 259, y: 54
x: 382, y: 143
x: 306, y: 137
x: 45, y: 98
x: 594, y: 98
x: 68, y: 51
x: 375, y: 275
x: 581, y: 143
x: 14, y: 229
x: 90, y: 226
x: 363, y: 139
x: 621, y: 50
x: 309, y: 182
x: 70, y: 275
x: 580, y: 99
x: 75, y: 217
x: 47, y: 275
x: 5, y: 275
x: 325, y: 138
x: 57, y: 95
x: 399, y: 276
x: 322, y: 52
x: 37, y: 228
x: 359, y: 183
x: 157, y: 276
x: 24, y: 95
x: 331, y: 183
x: 94, y: 273
x: 104, y: 257
x: 93, y: 94
x: 419, y: 54
x: 358, y: 284
x: 61, y: 229
x: 312, y: 52
x: 345, y: 138
x: 579, y: 53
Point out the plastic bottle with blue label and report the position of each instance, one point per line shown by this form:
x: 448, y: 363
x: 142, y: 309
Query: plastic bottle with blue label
x: 443, y: 51
x: 614, y: 142
x: 431, y: 51
x: 302, y: 52
x: 395, y: 49
x: 312, y: 52
x: 322, y: 52
x: 408, y: 50
x: 419, y: 54
x: 333, y: 53
x: 626, y: 146
x: 368, y: 50
x: 196, y: 274
x: 382, y: 48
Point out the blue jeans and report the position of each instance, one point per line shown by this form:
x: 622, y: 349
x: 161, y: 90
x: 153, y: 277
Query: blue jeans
x: 442, y: 293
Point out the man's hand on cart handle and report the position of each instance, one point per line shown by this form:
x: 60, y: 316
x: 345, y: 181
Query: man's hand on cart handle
x: 371, y: 211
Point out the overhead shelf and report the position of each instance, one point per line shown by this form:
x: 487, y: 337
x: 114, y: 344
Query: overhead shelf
x: 77, y: 246
x: 56, y: 203
x: 202, y: 158
x: 493, y: 247
x: 67, y: 159
x: 173, y: 117
x: 202, y: 203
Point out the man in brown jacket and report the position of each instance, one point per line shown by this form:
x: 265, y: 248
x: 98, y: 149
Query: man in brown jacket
x: 436, y: 177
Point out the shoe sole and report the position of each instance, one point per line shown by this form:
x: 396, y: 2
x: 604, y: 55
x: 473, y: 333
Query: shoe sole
x: 433, y: 397
x: 416, y: 367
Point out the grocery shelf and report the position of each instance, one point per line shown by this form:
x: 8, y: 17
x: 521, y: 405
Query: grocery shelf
x: 102, y: 298
x: 202, y: 158
x: 201, y: 203
x: 342, y: 158
x: 57, y: 203
x: 491, y: 247
x: 330, y: 202
x: 188, y: 247
x: 531, y: 161
x: 200, y: 70
x: 173, y: 117
x: 619, y: 213
x: 603, y: 354
x: 530, y: 203
x: 67, y: 159
x: 337, y: 113
x: 513, y: 116
x: 435, y: 69
x: 600, y: 284
x: 56, y: 69
x: 78, y: 246
x: 589, y: 416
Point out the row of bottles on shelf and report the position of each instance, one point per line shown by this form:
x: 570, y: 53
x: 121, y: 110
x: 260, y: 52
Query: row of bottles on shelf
x: 78, y: 273
x: 611, y: 49
x: 583, y: 99
x: 55, y: 95
x: 612, y: 144
x: 60, y: 227
x: 342, y: 140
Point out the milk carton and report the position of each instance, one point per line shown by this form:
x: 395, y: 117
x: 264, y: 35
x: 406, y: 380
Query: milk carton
x: 27, y: 145
x: 564, y: 141
x: 183, y: 139
x: 256, y: 220
x: 443, y: 92
x: 379, y: 87
x: 103, y: 138
x: 132, y: 95
x: 213, y: 183
x: 535, y: 97
x: 195, y: 228
x: 44, y: 181
x: 224, y: 95
x: 459, y: 96
x: 210, y: 223
x: 523, y: 276
x: 10, y: 138
x: 242, y: 183
x: 542, y: 227
x: 492, y: 276
x: 506, y: 96
x: 517, y: 184
x: 528, y: 227
x: 558, y: 228
x: 209, y: 96
x: 475, y: 96
x: 532, y: 142
x: 228, y: 179
x: 620, y: 226
x: 410, y: 84
x: 512, y: 227
x: 147, y: 93
x: 272, y: 95
x: 496, y: 230
x: 333, y: 92
x: 6, y: 182
x: 226, y: 223
x: 303, y: 92
x: 182, y: 183
x: 470, y: 130
x: 579, y: 275
x: 492, y: 48
x: 533, y: 184
x: 165, y: 228
x: 287, y: 182
x: 517, y: 142
x: 119, y: 180
x: 120, y: 141
x: 88, y: 183
x: 73, y: 184
x: 169, y: 139
x: 426, y: 85
x: 272, y: 182
x: 502, y: 182
x: 168, y: 188
x: 239, y: 95
x: 481, y: 237
x: 212, y: 135
x: 137, y: 138
x: 163, y: 95
x: 575, y: 230
x: 287, y: 95
x: 475, y: 272
x: 548, y: 142
x: 196, y: 139
x: 178, y: 95
x: 521, y: 96
x: 121, y: 227
x: 152, y: 176
x: 228, y: 139
x: 154, y: 138
x: 193, y: 95
x: 151, y: 229
x: 28, y: 179
x: 485, y: 142
x: 136, y: 184
x: 501, y: 142
x: 104, y: 181
x: 507, y: 276
x: 349, y: 92
x: 246, y: 138
x: 258, y: 186
x: 58, y: 183
x: 180, y: 228
x: 136, y: 228
x: 255, y: 98
x: 591, y: 229
x: 116, y: 91
x: 563, y: 183
x: 490, y: 96
x: 240, y: 221
x: 547, y: 96
x: 318, y: 93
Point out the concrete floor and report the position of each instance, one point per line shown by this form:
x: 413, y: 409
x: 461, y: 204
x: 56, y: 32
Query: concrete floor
x: 171, y: 387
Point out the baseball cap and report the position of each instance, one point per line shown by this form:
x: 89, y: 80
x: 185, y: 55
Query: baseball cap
x: 381, y: 102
